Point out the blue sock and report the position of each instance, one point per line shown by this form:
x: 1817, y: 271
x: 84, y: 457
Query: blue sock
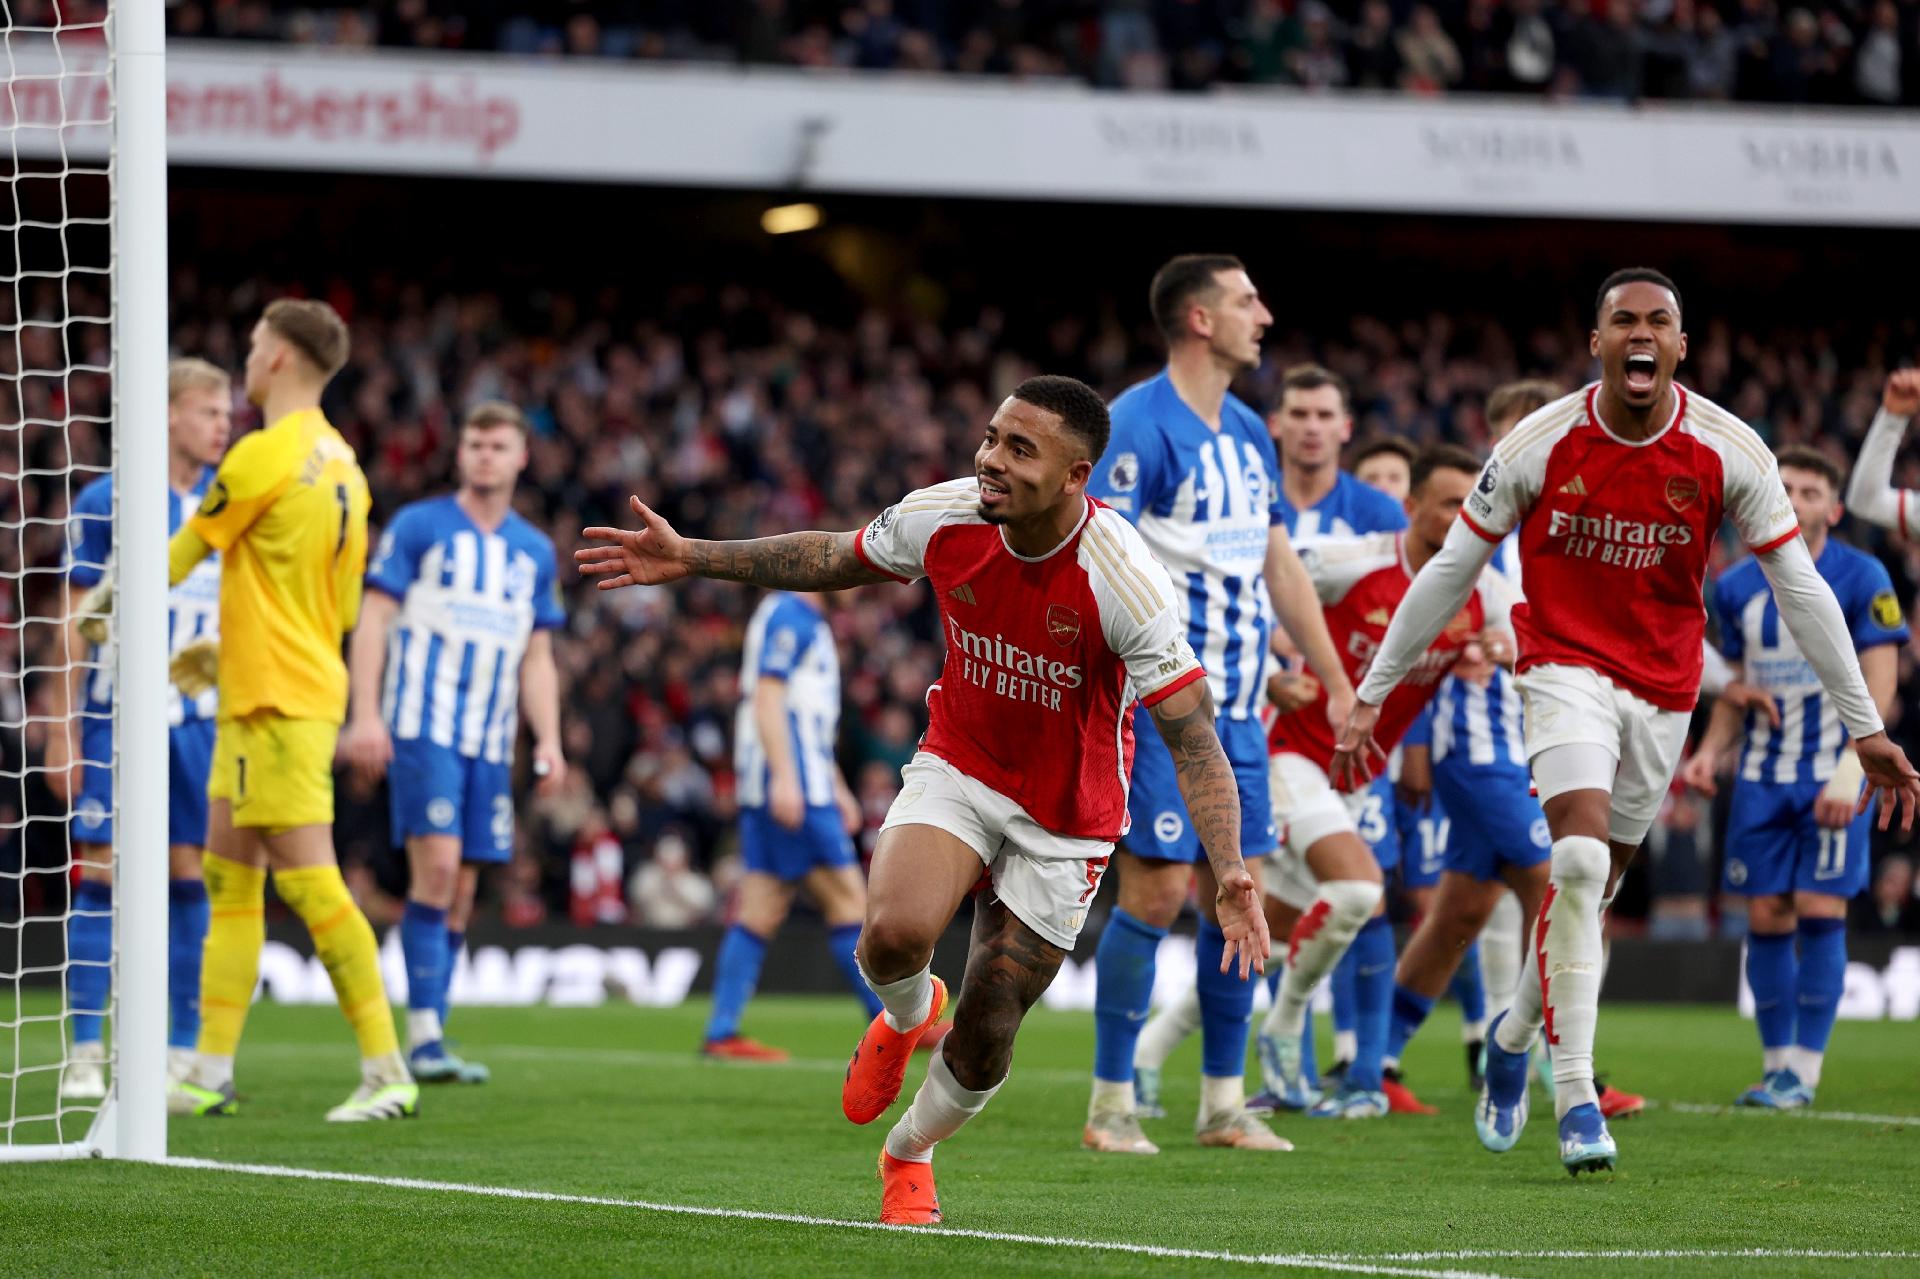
x: 1345, y: 996
x: 1409, y: 1014
x: 1770, y: 973
x: 423, y: 940
x: 188, y: 914
x: 1468, y: 988
x: 1309, y: 1056
x: 90, y: 958
x: 844, y: 938
x: 1823, y: 977
x: 1226, y: 1007
x: 1123, y: 992
x: 456, y: 942
x: 735, y: 973
x: 1373, y: 1000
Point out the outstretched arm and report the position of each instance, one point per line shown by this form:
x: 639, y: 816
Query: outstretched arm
x: 1814, y: 619
x: 1871, y: 494
x: 654, y: 553
x: 1291, y: 588
x: 1186, y: 724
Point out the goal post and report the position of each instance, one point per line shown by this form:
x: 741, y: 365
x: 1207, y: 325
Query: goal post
x: 83, y: 392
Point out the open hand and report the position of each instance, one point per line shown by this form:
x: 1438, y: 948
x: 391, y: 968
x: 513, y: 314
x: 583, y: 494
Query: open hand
x: 1889, y: 776
x: 646, y: 556
x: 1357, y: 757
x: 1244, y: 923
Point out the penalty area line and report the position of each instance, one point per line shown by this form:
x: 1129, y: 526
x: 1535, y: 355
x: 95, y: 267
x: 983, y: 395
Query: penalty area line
x: 1645, y: 1254
x: 1831, y: 1116
x: 1288, y: 1261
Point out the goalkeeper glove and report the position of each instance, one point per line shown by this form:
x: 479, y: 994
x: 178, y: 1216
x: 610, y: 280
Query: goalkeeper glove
x: 94, y: 610
x: 196, y: 667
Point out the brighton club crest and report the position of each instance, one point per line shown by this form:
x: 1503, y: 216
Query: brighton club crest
x: 1681, y: 490
x: 1063, y: 625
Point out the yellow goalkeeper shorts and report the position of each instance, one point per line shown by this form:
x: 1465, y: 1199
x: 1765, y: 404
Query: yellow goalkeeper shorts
x: 277, y: 772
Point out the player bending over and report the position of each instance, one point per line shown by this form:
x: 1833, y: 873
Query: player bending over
x: 797, y: 812
x: 288, y: 512
x: 199, y: 418
x: 1796, y: 838
x: 1057, y: 618
x: 436, y: 699
x: 1326, y: 881
x: 1618, y: 492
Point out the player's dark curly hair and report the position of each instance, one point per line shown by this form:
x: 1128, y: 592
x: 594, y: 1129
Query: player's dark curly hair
x: 1374, y: 446
x: 1080, y: 407
x: 1175, y: 285
x: 1441, y: 457
x: 1635, y: 275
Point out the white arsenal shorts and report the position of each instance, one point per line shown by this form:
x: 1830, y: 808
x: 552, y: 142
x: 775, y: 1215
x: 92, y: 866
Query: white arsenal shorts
x: 1631, y: 747
x: 1047, y: 880
x: 1306, y: 809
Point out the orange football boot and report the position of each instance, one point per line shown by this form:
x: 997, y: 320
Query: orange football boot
x: 906, y: 1195
x: 740, y: 1048
x: 932, y: 1039
x: 879, y: 1064
x: 1400, y: 1098
x: 1615, y: 1104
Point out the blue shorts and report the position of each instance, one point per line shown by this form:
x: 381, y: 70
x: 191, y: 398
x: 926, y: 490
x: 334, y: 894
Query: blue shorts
x: 787, y: 855
x: 435, y: 790
x: 1774, y: 845
x: 1493, y: 820
x: 189, y: 760
x: 1160, y: 825
x: 1375, y: 818
x: 1423, y: 844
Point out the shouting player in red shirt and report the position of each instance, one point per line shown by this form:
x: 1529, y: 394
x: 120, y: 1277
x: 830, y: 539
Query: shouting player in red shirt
x: 1618, y: 492
x: 1325, y: 883
x: 1057, y: 621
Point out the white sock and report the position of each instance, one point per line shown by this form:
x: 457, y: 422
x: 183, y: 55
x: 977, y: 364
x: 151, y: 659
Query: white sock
x: 1805, y: 1062
x: 1471, y: 1032
x: 1773, y: 1059
x: 1221, y: 1094
x: 1110, y: 1098
x: 1166, y: 1029
x: 381, y: 1071
x: 423, y: 1027
x: 1571, y: 959
x: 938, y: 1111
x: 212, y: 1072
x: 1346, y: 1045
x: 1516, y: 1033
x: 1390, y: 1062
x: 1318, y: 941
x: 907, y: 1001
x: 1500, y: 943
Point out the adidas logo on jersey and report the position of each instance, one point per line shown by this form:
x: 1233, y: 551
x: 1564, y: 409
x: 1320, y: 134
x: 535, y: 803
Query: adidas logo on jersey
x: 963, y: 593
x: 1576, y: 487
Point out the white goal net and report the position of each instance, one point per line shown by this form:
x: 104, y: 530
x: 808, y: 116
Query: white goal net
x: 71, y: 964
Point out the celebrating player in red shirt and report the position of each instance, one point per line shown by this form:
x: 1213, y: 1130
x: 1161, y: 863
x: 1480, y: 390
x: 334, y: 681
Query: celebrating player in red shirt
x: 1057, y: 621
x: 1618, y: 492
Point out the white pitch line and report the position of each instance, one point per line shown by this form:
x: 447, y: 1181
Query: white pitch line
x: 1346, y: 1263
x: 1645, y: 1254
x: 1835, y: 1116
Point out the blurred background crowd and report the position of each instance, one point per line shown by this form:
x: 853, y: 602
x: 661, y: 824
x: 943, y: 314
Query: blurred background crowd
x: 1816, y: 51
x: 755, y: 387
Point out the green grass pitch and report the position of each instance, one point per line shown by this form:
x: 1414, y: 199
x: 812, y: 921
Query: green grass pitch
x: 612, y: 1103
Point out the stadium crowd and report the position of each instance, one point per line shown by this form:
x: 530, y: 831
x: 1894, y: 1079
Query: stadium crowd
x: 739, y: 413
x: 1818, y: 51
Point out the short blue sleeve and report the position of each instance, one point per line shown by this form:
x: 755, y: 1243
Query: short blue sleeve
x: 1726, y: 612
x: 1420, y: 732
x: 1384, y: 515
x: 548, y: 611
x: 1279, y: 510
x: 90, y: 533
x: 1873, y: 609
x: 396, y: 561
x: 790, y: 631
x: 1131, y: 476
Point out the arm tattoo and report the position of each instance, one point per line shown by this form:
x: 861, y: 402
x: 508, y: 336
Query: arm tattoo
x: 790, y: 562
x: 1205, y: 779
x: 1008, y: 967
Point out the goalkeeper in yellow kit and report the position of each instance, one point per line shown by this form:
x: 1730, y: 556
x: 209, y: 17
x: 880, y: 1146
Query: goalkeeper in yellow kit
x: 288, y: 512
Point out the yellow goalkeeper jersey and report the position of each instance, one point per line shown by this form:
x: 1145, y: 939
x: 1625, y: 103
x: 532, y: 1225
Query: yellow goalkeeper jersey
x: 288, y: 509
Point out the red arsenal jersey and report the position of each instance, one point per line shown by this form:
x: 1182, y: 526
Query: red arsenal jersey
x: 1361, y: 581
x: 1045, y: 656
x: 1615, y: 535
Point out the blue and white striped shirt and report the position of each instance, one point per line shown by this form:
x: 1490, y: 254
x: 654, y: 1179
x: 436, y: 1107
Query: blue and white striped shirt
x: 469, y: 601
x: 1482, y: 727
x: 789, y: 640
x: 1204, y: 501
x: 193, y: 607
x: 1807, y: 744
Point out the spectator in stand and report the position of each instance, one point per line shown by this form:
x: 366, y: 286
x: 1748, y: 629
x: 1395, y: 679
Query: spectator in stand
x: 1373, y: 52
x: 667, y: 892
x: 1318, y: 62
x: 1877, y: 65
x: 1890, y: 905
x: 1431, y: 58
